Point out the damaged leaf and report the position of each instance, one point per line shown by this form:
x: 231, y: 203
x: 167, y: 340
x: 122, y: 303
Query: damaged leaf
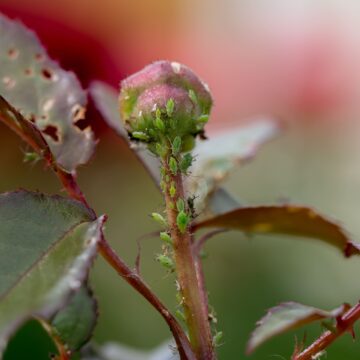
x: 284, y: 219
x: 288, y: 316
x: 43, y: 94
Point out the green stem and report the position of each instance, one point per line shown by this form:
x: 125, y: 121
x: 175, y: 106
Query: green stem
x: 195, y: 308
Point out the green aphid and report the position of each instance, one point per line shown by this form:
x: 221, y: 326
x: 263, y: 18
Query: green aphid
x: 172, y: 190
x: 160, y: 150
x: 173, y: 165
x: 166, y: 238
x: 185, y: 163
x: 163, y: 186
x: 170, y: 107
x: 203, y: 119
x: 180, y: 204
x: 182, y: 221
x: 180, y: 315
x: 176, y: 145
x: 165, y: 261
x: 32, y: 157
x: 193, y: 96
x: 159, y: 124
x: 162, y: 171
x: 217, y: 338
x: 179, y: 298
x: 140, y: 135
x: 159, y: 219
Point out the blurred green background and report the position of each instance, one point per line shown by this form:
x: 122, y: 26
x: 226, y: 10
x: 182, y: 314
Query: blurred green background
x: 298, y: 61
x: 244, y: 276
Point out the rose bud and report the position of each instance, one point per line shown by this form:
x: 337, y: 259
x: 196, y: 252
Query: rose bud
x: 163, y: 101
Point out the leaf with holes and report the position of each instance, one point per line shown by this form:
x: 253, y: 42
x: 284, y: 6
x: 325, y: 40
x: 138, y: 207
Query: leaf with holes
x: 47, y: 245
x: 218, y: 156
x: 106, y: 101
x: 288, y: 316
x: 287, y: 220
x: 74, y: 324
x: 40, y: 91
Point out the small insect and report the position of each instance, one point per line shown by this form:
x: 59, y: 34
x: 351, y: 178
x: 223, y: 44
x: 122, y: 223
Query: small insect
x: 191, y: 206
x: 159, y: 219
x: 217, y: 338
x: 166, y: 262
x: 182, y: 221
x: 31, y: 157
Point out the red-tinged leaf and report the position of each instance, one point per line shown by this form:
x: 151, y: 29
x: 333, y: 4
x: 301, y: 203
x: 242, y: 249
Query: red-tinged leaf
x: 41, y: 92
x: 288, y: 316
x: 287, y: 220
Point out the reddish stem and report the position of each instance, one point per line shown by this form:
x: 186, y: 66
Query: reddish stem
x: 69, y: 182
x: 189, y: 274
x: 131, y: 277
x: 71, y: 186
x: 345, y: 324
x: 138, y: 284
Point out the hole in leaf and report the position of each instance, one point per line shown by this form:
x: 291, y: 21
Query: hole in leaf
x: 52, y: 131
x: 82, y: 124
x: 47, y: 74
x: 79, y: 117
x: 78, y: 113
x: 13, y: 53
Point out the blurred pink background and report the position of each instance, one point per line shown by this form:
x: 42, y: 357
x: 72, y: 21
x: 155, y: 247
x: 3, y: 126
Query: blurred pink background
x: 291, y: 58
x: 298, y: 60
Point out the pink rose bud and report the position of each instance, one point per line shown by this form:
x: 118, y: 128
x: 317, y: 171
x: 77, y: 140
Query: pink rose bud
x: 163, y: 101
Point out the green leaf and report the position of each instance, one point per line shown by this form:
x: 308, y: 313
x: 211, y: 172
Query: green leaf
x: 218, y: 156
x: 287, y: 220
x: 41, y: 92
x: 74, y: 324
x: 47, y: 245
x: 106, y: 101
x: 288, y: 316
